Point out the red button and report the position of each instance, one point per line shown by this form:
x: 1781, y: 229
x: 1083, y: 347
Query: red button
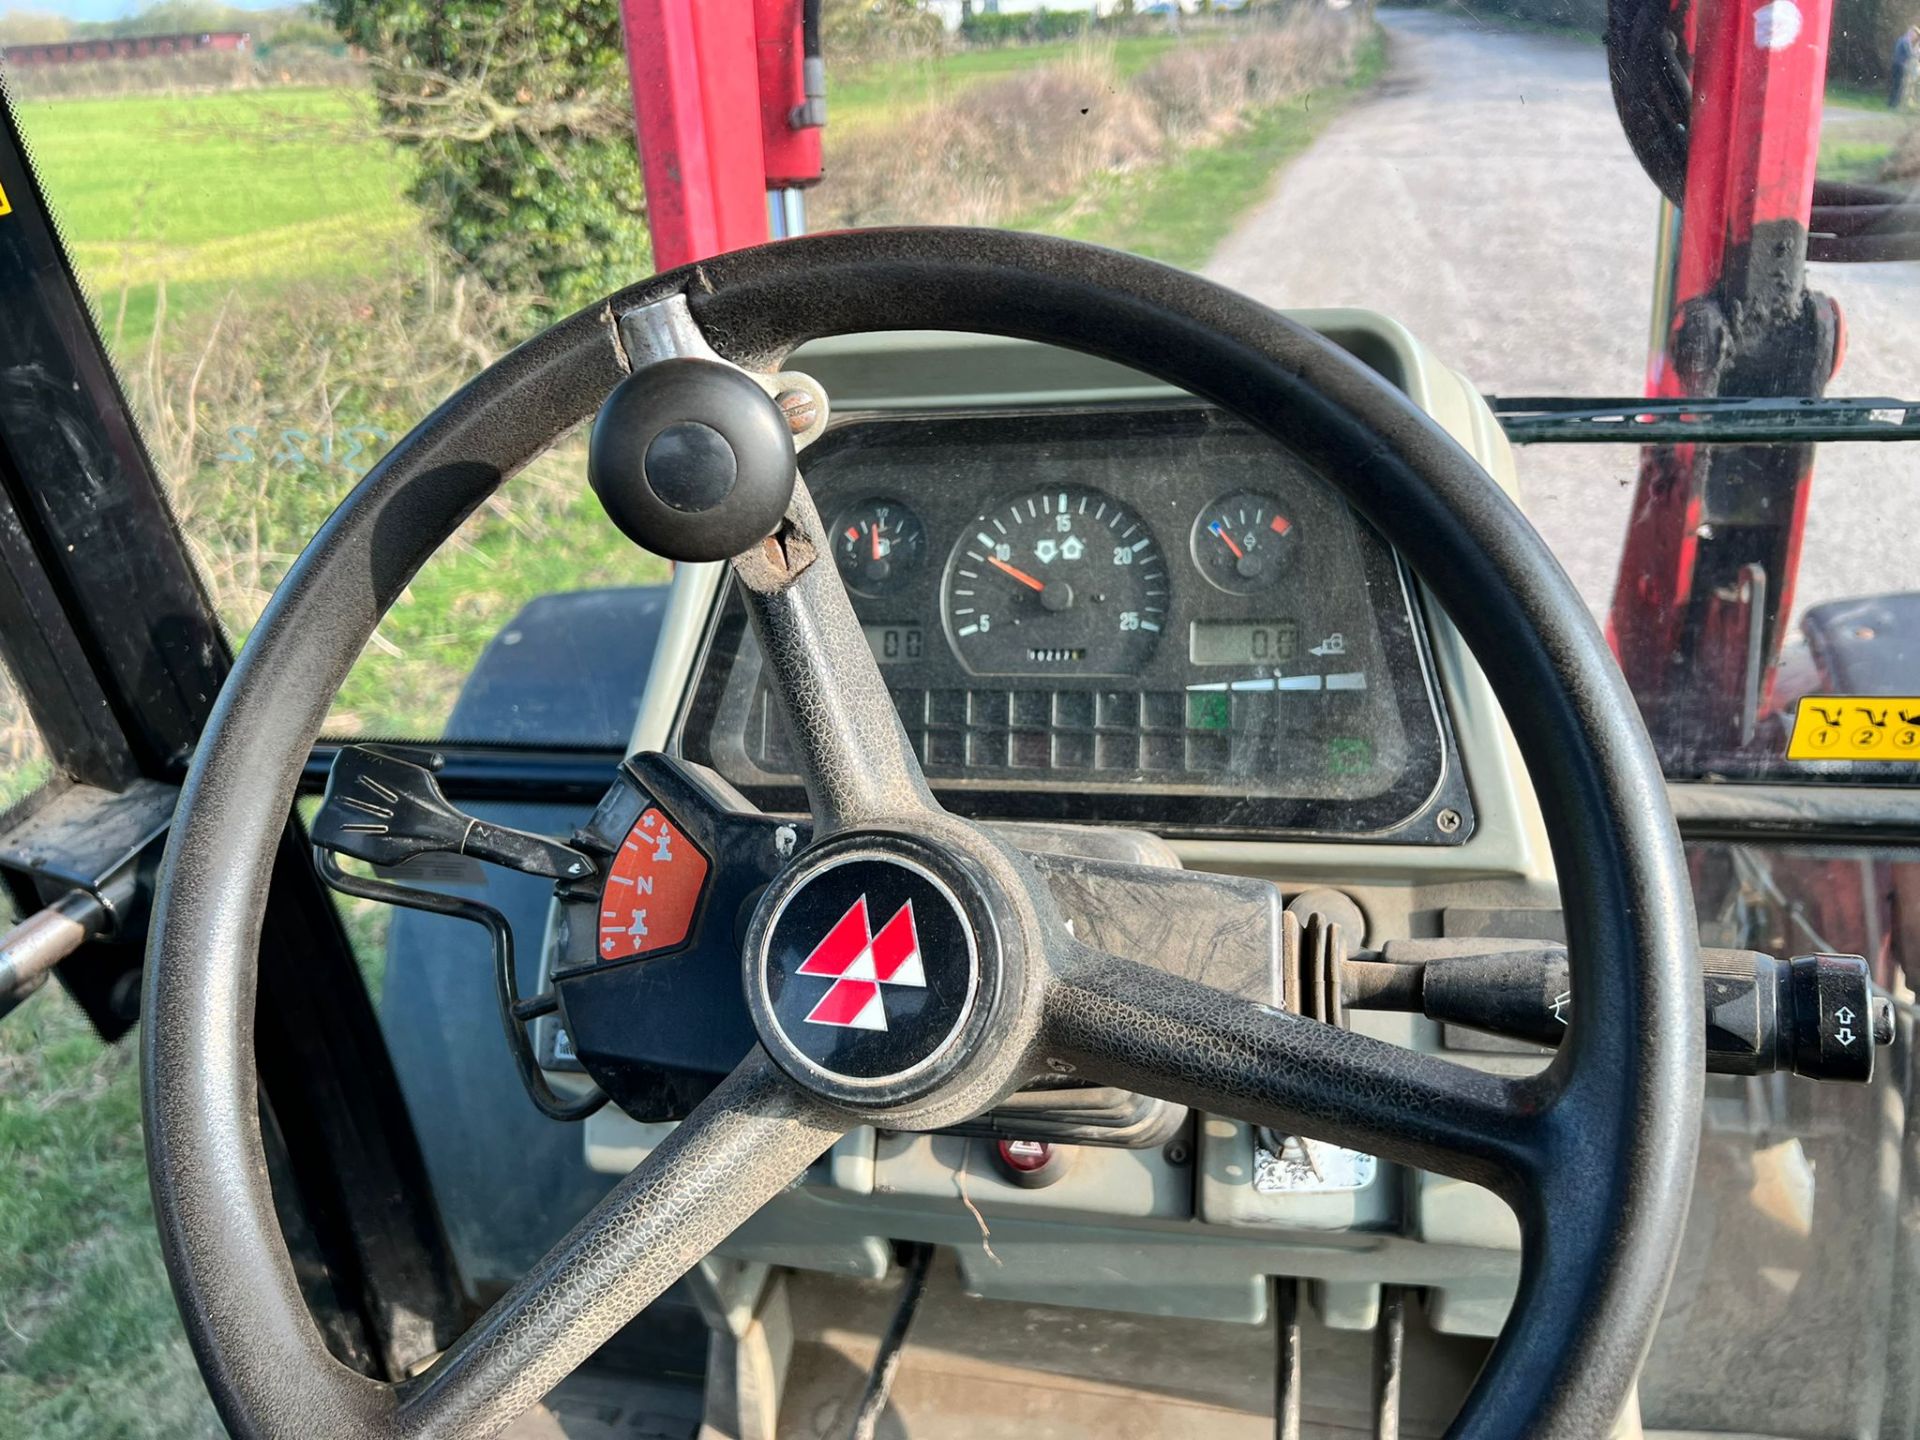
x: 1025, y: 1155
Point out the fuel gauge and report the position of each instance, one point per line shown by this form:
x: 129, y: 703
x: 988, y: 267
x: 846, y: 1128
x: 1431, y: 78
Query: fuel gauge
x: 879, y: 544
x: 1244, y: 543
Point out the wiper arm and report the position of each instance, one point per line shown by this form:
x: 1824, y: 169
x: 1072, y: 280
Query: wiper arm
x: 1587, y: 420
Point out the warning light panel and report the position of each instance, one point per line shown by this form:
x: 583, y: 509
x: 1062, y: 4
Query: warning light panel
x: 653, y: 890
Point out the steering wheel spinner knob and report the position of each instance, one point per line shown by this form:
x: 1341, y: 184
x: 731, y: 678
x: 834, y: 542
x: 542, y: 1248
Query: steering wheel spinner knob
x: 692, y: 459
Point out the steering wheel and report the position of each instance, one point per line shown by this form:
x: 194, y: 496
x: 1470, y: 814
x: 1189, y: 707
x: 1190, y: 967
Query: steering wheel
x: 1595, y: 1154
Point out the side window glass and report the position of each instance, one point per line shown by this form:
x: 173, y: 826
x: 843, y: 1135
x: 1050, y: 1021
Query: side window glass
x: 24, y: 766
x: 275, y: 259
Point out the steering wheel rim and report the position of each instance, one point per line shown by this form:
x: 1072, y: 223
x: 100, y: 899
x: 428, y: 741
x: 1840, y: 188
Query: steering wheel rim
x: 1599, y: 1161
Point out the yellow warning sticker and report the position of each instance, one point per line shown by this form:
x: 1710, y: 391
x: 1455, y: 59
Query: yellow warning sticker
x: 6, y: 205
x: 1856, y: 727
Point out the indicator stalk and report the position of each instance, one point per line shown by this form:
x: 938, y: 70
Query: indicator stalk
x: 1814, y: 1015
x: 384, y: 807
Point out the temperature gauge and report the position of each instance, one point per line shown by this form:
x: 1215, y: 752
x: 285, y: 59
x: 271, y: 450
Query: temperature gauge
x: 879, y: 545
x: 1244, y: 543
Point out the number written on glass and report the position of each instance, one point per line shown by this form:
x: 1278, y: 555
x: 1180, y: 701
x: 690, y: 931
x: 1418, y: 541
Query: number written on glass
x: 296, y: 449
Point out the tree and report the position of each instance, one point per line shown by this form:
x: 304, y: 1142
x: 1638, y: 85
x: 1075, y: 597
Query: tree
x: 1861, y: 49
x: 855, y: 31
x: 179, y: 17
x: 522, y: 122
x: 33, y: 27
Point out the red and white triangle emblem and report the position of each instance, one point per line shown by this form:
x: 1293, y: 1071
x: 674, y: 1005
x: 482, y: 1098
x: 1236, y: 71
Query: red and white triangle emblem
x: 861, y: 962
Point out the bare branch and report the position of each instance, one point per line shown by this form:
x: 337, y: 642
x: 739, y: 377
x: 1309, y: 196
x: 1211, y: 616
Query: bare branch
x: 429, y: 105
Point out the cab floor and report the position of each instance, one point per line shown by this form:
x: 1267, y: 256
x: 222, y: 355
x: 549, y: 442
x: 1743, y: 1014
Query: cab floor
x: 994, y: 1370
x: 988, y: 1369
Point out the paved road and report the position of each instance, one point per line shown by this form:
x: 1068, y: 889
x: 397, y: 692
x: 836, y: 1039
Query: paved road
x: 1487, y: 199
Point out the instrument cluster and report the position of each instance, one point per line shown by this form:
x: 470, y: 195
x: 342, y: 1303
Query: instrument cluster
x: 1123, y: 615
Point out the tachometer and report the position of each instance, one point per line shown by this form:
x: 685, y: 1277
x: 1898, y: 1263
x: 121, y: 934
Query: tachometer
x: 1061, y: 581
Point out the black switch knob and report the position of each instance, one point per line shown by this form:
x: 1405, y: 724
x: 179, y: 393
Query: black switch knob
x: 692, y: 459
x: 1834, y: 1017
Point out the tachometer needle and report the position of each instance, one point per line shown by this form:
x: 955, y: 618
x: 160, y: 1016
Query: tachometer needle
x: 1020, y: 575
x: 1217, y: 528
x: 875, y: 532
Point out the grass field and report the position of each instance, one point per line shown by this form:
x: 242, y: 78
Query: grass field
x: 90, y: 1345
x: 1854, y: 160
x: 879, y: 93
x: 1859, y: 133
x: 245, y: 190
x: 1858, y: 148
x: 1858, y: 97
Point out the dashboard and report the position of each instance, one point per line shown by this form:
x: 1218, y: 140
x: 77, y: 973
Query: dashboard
x: 952, y: 428
x: 1119, y: 614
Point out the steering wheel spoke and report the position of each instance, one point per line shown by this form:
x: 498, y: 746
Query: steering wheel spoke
x: 852, y: 753
x: 751, y: 1138
x: 1162, y: 1034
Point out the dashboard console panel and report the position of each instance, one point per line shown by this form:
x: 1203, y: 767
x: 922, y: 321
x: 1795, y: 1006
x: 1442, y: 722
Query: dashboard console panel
x: 1118, y: 615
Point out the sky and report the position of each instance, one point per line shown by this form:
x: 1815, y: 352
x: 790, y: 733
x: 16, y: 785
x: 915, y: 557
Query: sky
x: 114, y: 9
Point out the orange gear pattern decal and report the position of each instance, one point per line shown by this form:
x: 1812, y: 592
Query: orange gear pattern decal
x: 652, y: 891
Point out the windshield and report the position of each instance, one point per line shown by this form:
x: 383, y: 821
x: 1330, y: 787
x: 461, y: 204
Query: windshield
x: 300, y: 227
x: 1685, y: 275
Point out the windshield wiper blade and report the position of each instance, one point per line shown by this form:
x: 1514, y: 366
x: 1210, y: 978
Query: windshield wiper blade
x: 1586, y: 420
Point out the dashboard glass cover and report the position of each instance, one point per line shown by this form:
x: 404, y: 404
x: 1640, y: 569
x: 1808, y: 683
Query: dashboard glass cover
x: 1129, y: 616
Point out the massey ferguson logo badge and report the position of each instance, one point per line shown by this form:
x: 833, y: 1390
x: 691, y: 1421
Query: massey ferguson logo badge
x: 860, y: 962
